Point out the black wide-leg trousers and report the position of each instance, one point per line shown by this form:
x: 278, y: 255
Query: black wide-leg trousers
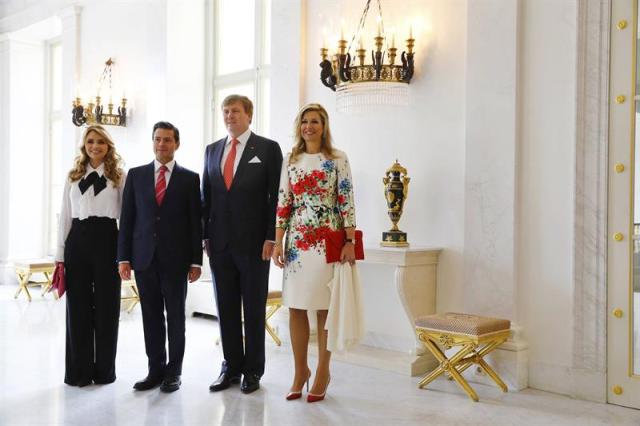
x: 93, y: 301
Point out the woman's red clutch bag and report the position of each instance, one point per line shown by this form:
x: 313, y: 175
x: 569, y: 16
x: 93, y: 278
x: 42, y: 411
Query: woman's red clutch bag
x: 58, y: 282
x: 334, y: 241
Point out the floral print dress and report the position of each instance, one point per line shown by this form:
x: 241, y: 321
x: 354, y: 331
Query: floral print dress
x: 315, y: 196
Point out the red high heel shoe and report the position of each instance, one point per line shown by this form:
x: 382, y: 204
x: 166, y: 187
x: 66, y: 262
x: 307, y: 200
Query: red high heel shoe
x: 312, y: 397
x: 297, y: 395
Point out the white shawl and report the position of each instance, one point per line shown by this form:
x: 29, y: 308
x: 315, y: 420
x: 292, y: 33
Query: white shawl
x: 344, y: 321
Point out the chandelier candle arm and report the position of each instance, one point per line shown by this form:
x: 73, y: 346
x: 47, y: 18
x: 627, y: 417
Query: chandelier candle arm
x: 359, y: 84
x: 94, y: 113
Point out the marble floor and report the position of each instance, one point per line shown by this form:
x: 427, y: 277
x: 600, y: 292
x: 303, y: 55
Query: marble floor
x: 32, y: 392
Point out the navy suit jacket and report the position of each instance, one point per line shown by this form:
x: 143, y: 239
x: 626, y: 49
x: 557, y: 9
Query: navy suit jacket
x: 243, y: 217
x: 172, y: 231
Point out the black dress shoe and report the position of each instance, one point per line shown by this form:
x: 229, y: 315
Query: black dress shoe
x: 224, y: 381
x: 250, y: 383
x: 147, y: 383
x: 170, y: 384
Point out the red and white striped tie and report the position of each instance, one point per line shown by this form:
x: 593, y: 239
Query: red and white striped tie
x: 161, y: 185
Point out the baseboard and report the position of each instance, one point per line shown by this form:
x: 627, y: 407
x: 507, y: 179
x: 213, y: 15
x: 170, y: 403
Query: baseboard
x: 577, y: 383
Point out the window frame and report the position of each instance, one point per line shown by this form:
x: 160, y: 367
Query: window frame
x: 51, y: 115
x: 259, y: 75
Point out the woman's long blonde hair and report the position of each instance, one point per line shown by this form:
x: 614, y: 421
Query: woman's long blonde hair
x: 112, y: 161
x: 299, y: 146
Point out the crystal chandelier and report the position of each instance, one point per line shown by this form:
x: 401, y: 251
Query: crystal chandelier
x: 361, y: 86
x: 94, y: 112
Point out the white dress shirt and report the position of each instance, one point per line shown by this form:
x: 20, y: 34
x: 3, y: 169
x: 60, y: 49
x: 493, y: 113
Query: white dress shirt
x: 167, y: 174
x: 242, y: 139
x: 76, y: 205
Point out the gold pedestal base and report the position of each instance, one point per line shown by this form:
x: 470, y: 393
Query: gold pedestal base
x: 394, y: 239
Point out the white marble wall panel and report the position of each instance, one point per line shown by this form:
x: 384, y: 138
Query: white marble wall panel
x: 490, y: 158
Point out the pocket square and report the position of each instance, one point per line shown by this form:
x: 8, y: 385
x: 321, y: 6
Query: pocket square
x: 255, y: 160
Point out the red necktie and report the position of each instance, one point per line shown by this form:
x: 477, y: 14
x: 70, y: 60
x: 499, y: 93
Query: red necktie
x: 161, y: 185
x: 227, y: 172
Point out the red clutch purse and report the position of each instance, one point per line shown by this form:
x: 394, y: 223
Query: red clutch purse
x: 334, y: 241
x: 58, y: 281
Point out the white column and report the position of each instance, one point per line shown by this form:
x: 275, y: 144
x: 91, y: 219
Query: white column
x: 4, y: 156
x: 491, y: 153
x: 71, y: 70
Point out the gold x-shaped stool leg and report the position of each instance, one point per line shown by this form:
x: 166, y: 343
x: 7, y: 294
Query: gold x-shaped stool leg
x: 48, y: 285
x: 134, y: 298
x: 477, y: 358
x: 449, y: 365
x: 25, y: 270
x: 272, y: 308
x: 23, y: 280
x: 467, y: 355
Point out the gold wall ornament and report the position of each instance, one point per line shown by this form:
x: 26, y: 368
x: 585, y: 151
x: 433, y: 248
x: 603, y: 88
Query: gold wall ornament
x: 622, y: 24
x: 618, y: 236
x: 617, y: 389
x: 620, y: 99
x: 619, y: 167
x: 396, y: 190
x: 618, y: 313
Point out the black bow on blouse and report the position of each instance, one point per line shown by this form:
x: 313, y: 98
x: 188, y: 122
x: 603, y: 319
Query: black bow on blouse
x: 93, y: 179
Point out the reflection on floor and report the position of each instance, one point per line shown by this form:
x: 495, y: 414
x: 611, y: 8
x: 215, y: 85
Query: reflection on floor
x: 32, y: 392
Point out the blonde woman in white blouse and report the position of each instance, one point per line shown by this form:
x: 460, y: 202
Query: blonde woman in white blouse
x: 87, y: 245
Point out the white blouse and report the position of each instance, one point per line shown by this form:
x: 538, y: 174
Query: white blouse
x: 76, y: 205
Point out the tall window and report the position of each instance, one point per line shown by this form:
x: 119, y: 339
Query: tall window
x: 242, y: 55
x: 54, y: 118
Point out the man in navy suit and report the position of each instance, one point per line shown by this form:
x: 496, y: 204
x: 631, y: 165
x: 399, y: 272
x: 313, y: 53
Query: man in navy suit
x: 160, y: 238
x: 239, y: 191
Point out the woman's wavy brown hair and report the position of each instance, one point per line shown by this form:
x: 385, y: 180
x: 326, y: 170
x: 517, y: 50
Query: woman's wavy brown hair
x: 112, y: 160
x: 299, y: 146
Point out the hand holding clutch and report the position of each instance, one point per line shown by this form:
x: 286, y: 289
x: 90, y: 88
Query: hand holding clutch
x: 334, y: 243
x: 58, y: 281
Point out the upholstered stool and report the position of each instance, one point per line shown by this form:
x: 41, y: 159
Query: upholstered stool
x: 476, y: 336
x: 274, y: 302
x: 24, y: 270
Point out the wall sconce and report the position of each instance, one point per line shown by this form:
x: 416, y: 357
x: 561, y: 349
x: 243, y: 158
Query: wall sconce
x: 94, y: 113
x: 377, y: 83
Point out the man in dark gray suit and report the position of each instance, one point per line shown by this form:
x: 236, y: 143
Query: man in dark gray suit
x: 239, y: 192
x: 160, y: 238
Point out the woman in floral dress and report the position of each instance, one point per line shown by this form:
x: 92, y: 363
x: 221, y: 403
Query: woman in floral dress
x: 316, y: 196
